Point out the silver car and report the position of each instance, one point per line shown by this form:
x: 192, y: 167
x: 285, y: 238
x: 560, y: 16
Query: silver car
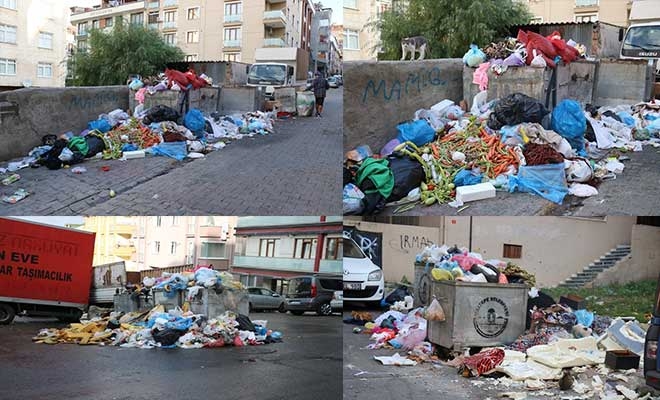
x: 265, y: 299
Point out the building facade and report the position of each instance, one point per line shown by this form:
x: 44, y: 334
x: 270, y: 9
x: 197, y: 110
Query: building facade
x: 271, y: 249
x: 361, y: 42
x: 33, y: 41
x: 114, y: 239
x: 209, y: 30
x: 615, y: 12
x: 553, y: 248
x: 321, y: 35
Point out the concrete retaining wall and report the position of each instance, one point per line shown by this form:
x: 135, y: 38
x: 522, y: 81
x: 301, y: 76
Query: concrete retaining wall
x: 31, y: 113
x: 379, y: 95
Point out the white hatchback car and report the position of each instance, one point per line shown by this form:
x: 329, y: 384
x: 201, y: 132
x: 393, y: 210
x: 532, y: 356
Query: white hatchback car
x: 363, y: 280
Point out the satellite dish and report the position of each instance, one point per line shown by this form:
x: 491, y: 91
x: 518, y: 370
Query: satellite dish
x: 27, y: 83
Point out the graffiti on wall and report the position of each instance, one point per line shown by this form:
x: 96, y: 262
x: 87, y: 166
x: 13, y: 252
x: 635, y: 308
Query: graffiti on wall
x: 394, y: 89
x: 369, y: 242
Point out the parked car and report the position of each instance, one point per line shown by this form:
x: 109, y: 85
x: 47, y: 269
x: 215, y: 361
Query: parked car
x: 332, y: 81
x: 340, y: 79
x: 363, y: 280
x: 265, y: 299
x: 314, y: 293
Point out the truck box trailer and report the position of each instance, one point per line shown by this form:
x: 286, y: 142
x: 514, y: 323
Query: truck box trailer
x: 44, y: 270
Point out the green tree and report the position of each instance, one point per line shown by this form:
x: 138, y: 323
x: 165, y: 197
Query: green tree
x: 449, y: 26
x: 126, y: 49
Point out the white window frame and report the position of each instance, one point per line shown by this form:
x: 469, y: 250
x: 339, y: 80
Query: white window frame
x: 199, y: 13
x: 175, y: 220
x: 156, y: 249
x: 5, y: 63
x: 238, y: 33
x: 130, y: 18
x: 112, y: 22
x: 235, y: 57
x: 6, y: 30
x: 206, y: 256
x: 192, y: 57
x: 173, y: 248
x: 188, y: 36
x: 166, y: 14
x: 353, y: 5
x: 10, y: 4
x: 42, y: 67
x: 235, y: 6
x: 82, y: 28
x: 168, y: 35
x: 349, y: 33
x: 579, y: 17
x: 46, y: 35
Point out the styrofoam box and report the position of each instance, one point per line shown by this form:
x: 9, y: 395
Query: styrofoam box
x: 479, y: 191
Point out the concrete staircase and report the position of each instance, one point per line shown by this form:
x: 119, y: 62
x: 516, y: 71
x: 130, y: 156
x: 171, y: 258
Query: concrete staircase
x: 592, y: 270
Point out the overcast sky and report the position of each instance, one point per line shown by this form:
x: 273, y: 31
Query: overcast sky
x: 59, y: 221
x: 336, y: 5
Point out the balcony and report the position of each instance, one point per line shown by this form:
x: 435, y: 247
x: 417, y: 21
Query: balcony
x: 170, y: 3
x: 153, y: 5
x: 211, y: 232
x: 274, y: 42
x: 124, y: 251
x: 288, y: 264
x: 123, y: 229
x: 82, y: 34
x: 169, y: 25
x: 586, y: 3
x: 232, y: 43
x: 233, y: 18
x: 276, y: 1
x: 153, y: 25
x: 275, y: 19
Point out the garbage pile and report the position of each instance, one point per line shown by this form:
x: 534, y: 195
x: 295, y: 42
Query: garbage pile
x: 447, y: 155
x: 157, y: 328
x: 198, y: 277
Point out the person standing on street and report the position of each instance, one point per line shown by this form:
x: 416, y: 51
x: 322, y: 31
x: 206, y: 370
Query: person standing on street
x: 319, y: 86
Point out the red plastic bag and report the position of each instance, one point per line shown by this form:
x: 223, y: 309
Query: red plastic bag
x: 566, y: 52
x: 179, y: 77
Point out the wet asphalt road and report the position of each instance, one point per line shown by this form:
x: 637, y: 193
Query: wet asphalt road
x: 306, y: 364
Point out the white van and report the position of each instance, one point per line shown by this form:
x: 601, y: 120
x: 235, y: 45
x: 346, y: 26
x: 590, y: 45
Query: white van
x: 363, y: 280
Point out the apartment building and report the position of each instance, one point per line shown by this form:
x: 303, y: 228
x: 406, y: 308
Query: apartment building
x: 271, y: 249
x: 321, y: 39
x: 114, y: 239
x: 615, y: 12
x: 209, y: 30
x: 361, y: 42
x: 32, y: 43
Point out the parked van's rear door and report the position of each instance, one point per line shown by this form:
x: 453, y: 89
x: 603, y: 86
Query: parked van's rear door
x: 300, y: 288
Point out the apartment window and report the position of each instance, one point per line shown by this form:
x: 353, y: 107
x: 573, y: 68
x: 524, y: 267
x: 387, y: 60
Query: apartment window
x: 82, y: 45
x: 304, y: 248
x: 7, y: 66
x: 137, y: 19
x: 141, y: 257
x: 44, y: 70
x: 233, y: 9
x: 351, y: 39
x: 153, y: 18
x: 7, y: 34
x: 82, y: 28
x: 193, y: 13
x: 170, y: 38
x: 192, y: 37
x: 191, y: 224
x: 333, y: 248
x: 537, y: 20
x: 586, y: 18
x: 170, y: 16
x: 8, y: 4
x: 267, y: 247
x: 190, y: 257
x: 512, y: 251
x: 96, y: 24
x: 191, y: 57
x: 172, y: 247
x: 45, y: 40
x: 213, y: 250
x: 109, y: 22
x: 231, y: 57
x: 156, y: 247
x: 159, y: 221
x: 350, y: 3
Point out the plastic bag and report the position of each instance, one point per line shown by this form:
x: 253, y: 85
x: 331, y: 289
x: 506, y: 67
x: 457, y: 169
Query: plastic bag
x: 547, y: 181
x: 578, y: 170
x: 418, y: 132
x: 435, y: 311
x: 480, y: 76
x: 626, y: 118
x: 569, y: 121
x: 102, y: 125
x: 176, y: 150
x: 408, y: 174
x: 514, y: 60
x: 478, y: 102
x: 474, y: 56
x: 305, y: 103
x: 161, y: 113
x: 194, y: 120
x: 584, y: 317
x: 352, y: 199
x: 389, y: 147
x: 515, y: 109
x: 135, y: 84
x: 466, y: 177
x: 538, y: 61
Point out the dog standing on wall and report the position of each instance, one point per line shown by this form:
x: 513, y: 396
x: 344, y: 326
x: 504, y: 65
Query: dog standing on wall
x: 413, y: 44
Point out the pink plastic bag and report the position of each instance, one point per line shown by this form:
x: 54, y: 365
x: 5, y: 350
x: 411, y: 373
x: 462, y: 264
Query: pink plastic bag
x: 466, y: 262
x: 480, y: 76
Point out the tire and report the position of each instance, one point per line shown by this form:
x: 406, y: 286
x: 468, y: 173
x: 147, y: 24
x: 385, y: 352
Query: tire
x: 298, y: 312
x: 324, y: 309
x: 282, y: 308
x: 7, y: 314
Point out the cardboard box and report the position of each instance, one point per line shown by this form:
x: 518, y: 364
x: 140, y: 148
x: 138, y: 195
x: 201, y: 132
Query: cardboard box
x: 573, y: 301
x: 621, y: 359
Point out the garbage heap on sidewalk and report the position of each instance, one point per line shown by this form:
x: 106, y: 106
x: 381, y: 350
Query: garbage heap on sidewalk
x: 176, y: 327
x: 565, y: 347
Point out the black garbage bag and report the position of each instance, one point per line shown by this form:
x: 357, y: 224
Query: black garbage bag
x: 397, y: 294
x: 589, y: 134
x: 542, y: 301
x: 48, y: 140
x: 348, y: 177
x: 244, y: 323
x: 161, y: 113
x: 167, y: 337
x: 372, y: 203
x: 408, y: 174
x: 95, y: 145
x: 515, y: 109
x: 51, y: 158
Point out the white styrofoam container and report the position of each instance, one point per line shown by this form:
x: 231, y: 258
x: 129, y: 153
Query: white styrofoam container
x: 479, y: 191
x: 133, y: 154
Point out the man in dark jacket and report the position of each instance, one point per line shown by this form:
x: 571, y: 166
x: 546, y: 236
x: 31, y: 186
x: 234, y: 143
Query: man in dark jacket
x: 319, y: 86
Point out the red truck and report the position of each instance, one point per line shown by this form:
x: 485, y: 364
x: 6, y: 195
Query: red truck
x: 44, y: 270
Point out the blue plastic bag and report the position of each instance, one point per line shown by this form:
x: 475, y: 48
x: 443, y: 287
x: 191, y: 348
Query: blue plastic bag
x: 626, y: 118
x: 584, y: 317
x: 418, y: 132
x: 465, y: 177
x: 569, y: 121
x: 194, y: 120
x: 474, y: 56
x: 547, y: 181
x: 102, y: 125
x: 176, y: 150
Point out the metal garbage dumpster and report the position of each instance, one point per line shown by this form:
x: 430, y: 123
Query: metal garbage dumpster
x: 477, y: 314
x: 169, y: 300
x: 126, y: 303
x: 213, y: 303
